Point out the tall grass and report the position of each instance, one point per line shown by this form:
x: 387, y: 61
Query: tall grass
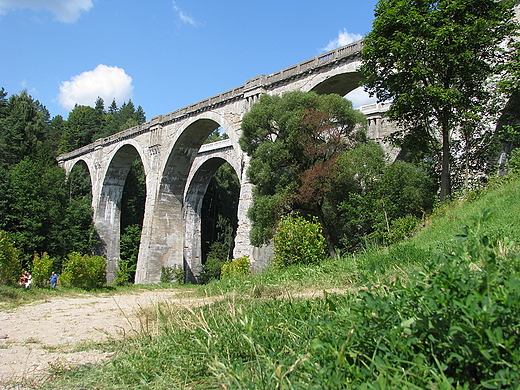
x: 440, y: 310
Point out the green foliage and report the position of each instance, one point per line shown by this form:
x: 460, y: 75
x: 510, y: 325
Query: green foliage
x: 368, y: 195
x: 41, y: 214
x: 10, y: 264
x: 293, y: 141
x: 514, y: 161
x: 402, y: 228
x: 124, y: 273
x: 84, y: 271
x: 406, y: 189
x: 86, y: 124
x: 219, y: 210
x: 134, y: 196
x: 298, y: 241
x: 129, y: 251
x: 434, y: 59
x: 82, y: 125
x: 354, y: 206
x: 41, y: 269
x: 217, y: 257
x: 24, y: 122
x: 173, y: 274
x: 236, y: 267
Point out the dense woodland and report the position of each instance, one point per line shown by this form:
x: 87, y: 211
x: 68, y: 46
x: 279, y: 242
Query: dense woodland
x: 310, y: 156
x: 41, y: 209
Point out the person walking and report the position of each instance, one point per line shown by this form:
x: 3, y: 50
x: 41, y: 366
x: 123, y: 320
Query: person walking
x: 54, y: 280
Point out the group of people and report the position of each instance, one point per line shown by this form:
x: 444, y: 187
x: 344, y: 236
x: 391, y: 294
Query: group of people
x: 26, y: 280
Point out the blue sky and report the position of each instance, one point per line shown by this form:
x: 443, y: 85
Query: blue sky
x: 163, y: 54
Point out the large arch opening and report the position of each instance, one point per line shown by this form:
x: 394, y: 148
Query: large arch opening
x: 79, y: 187
x: 108, y: 214
x: 219, y: 221
x: 133, y: 201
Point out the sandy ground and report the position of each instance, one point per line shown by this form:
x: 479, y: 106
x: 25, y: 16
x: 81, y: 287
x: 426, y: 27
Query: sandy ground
x: 45, y: 335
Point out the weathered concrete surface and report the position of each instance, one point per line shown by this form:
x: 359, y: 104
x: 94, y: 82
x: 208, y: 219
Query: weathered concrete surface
x: 178, y: 169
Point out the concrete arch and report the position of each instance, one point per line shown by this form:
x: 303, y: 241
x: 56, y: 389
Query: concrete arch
x: 107, y: 211
x: 194, y: 196
x: 138, y: 149
x: 222, y: 122
x: 162, y: 239
x: 341, y: 80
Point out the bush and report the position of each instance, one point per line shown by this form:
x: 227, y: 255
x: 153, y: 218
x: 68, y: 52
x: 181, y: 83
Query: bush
x: 124, y: 273
x: 84, y: 271
x: 514, y: 161
x: 298, y: 241
x: 237, y: 267
x: 10, y: 265
x: 216, y: 258
x: 172, y: 274
x: 402, y: 228
x: 406, y: 189
x: 41, y: 269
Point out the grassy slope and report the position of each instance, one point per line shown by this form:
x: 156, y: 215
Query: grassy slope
x: 227, y: 340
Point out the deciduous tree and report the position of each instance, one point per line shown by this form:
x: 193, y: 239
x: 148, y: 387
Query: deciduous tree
x: 434, y: 60
x: 293, y: 141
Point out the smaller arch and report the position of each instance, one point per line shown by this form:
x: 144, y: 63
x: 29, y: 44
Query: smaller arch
x: 194, y: 197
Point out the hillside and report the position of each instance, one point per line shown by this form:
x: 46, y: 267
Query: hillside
x: 452, y: 324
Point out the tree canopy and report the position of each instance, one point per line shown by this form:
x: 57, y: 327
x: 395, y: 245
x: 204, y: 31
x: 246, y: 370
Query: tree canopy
x: 435, y: 61
x: 293, y: 141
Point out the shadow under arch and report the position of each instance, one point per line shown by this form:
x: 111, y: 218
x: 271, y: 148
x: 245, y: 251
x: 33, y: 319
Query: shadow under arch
x: 341, y: 83
x: 107, y: 212
x: 194, y: 198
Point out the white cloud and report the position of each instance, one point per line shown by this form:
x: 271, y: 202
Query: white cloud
x: 107, y: 82
x: 344, y: 38
x: 67, y: 11
x: 183, y: 16
x: 358, y: 97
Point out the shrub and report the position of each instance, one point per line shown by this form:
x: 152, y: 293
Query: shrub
x: 10, y: 265
x: 84, y: 271
x: 172, y: 274
x: 41, y: 269
x: 237, y: 267
x: 298, y: 241
x: 402, y: 228
x: 514, y: 161
x: 124, y: 273
x: 216, y: 258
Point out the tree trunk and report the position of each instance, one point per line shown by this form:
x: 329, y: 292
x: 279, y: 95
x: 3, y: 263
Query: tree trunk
x: 445, y: 173
x: 326, y: 233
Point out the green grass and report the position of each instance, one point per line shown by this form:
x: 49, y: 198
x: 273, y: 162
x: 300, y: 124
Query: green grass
x: 453, y: 322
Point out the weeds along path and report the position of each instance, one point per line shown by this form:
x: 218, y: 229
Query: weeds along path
x: 59, y: 333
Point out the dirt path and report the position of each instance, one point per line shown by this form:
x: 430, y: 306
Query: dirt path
x: 37, y: 337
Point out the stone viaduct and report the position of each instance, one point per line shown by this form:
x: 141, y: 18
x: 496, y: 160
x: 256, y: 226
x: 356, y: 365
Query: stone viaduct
x: 178, y: 166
